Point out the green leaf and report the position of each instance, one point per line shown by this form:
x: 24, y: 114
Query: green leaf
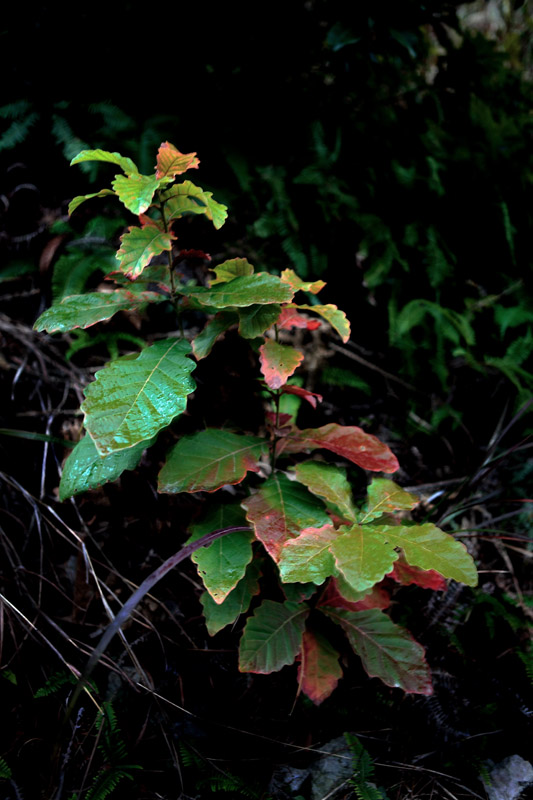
x: 72, y: 271
x: 223, y: 563
x: 186, y: 198
x: 329, y: 482
x: 203, y: 343
x: 139, y: 246
x: 233, y: 268
x: 83, y: 310
x: 387, y: 651
x: 131, y: 399
x: 170, y: 162
x: 281, y: 510
x: 348, y: 441
x: 244, y: 291
x: 86, y: 469
x: 336, y: 318
x: 129, y: 167
x: 308, y: 557
x: 255, y: 320
x: 289, y: 276
x: 384, y: 497
x: 427, y: 547
x: 77, y: 201
x: 205, y: 461
x: 272, y: 637
x: 362, y: 557
x: 319, y: 671
x: 237, y: 602
x: 278, y: 362
x: 136, y: 191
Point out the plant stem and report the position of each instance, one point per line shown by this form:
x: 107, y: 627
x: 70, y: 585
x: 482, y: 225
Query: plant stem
x: 133, y: 601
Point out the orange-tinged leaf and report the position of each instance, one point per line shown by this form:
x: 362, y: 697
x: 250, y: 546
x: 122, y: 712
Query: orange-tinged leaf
x: 336, y: 318
x: 272, y: 637
x: 290, y: 277
x: 427, y: 547
x: 237, y: 602
x: 77, y: 201
x: 170, y: 162
x: 278, y: 362
x: 246, y: 290
x: 387, y: 651
x: 329, y: 482
x: 186, y: 198
x: 319, y: 671
x: 384, y: 497
x: 129, y: 167
x: 348, y: 441
x: 311, y: 397
x: 291, y: 318
x: 210, y: 459
x: 405, y: 574
x: 308, y: 557
x: 139, y: 246
x: 135, y: 191
x: 281, y: 510
x: 332, y: 596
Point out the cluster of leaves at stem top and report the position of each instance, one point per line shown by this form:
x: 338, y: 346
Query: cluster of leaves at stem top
x: 333, y: 558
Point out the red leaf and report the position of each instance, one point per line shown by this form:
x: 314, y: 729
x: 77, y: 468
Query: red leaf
x: 348, y: 441
x: 376, y: 598
x: 280, y: 510
x: 278, y: 362
x: 290, y: 318
x: 170, y: 162
x: 311, y: 397
x: 319, y: 671
x: 426, y: 578
x: 183, y: 254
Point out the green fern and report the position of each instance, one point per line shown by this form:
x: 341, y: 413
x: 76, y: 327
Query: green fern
x: 5, y: 770
x: 113, y: 750
x: 363, y: 771
x: 23, y: 120
x: 55, y: 683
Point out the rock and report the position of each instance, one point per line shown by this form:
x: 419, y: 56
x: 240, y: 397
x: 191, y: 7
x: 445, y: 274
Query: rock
x: 509, y: 778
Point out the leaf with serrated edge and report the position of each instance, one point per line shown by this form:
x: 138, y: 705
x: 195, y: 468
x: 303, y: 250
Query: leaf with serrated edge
x: 223, y: 563
x: 81, y: 198
x: 237, y: 602
x: 170, y: 162
x: 308, y: 557
x: 336, y: 318
x: 186, y: 198
x: 329, y: 482
x: 139, y: 246
x: 290, y: 277
x: 384, y: 497
x: 255, y: 320
x: 84, y: 310
x: 362, y: 557
x: 280, y: 510
x: 405, y: 574
x: 130, y: 400
x: 427, y: 547
x: 136, y: 192
x: 203, y: 343
x: 230, y: 269
x: 244, y: 291
x: 129, y: 167
x: 272, y: 637
x: 209, y: 459
x: 387, y: 651
x: 86, y: 469
x: 278, y: 362
x: 319, y: 671
x: 348, y: 441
